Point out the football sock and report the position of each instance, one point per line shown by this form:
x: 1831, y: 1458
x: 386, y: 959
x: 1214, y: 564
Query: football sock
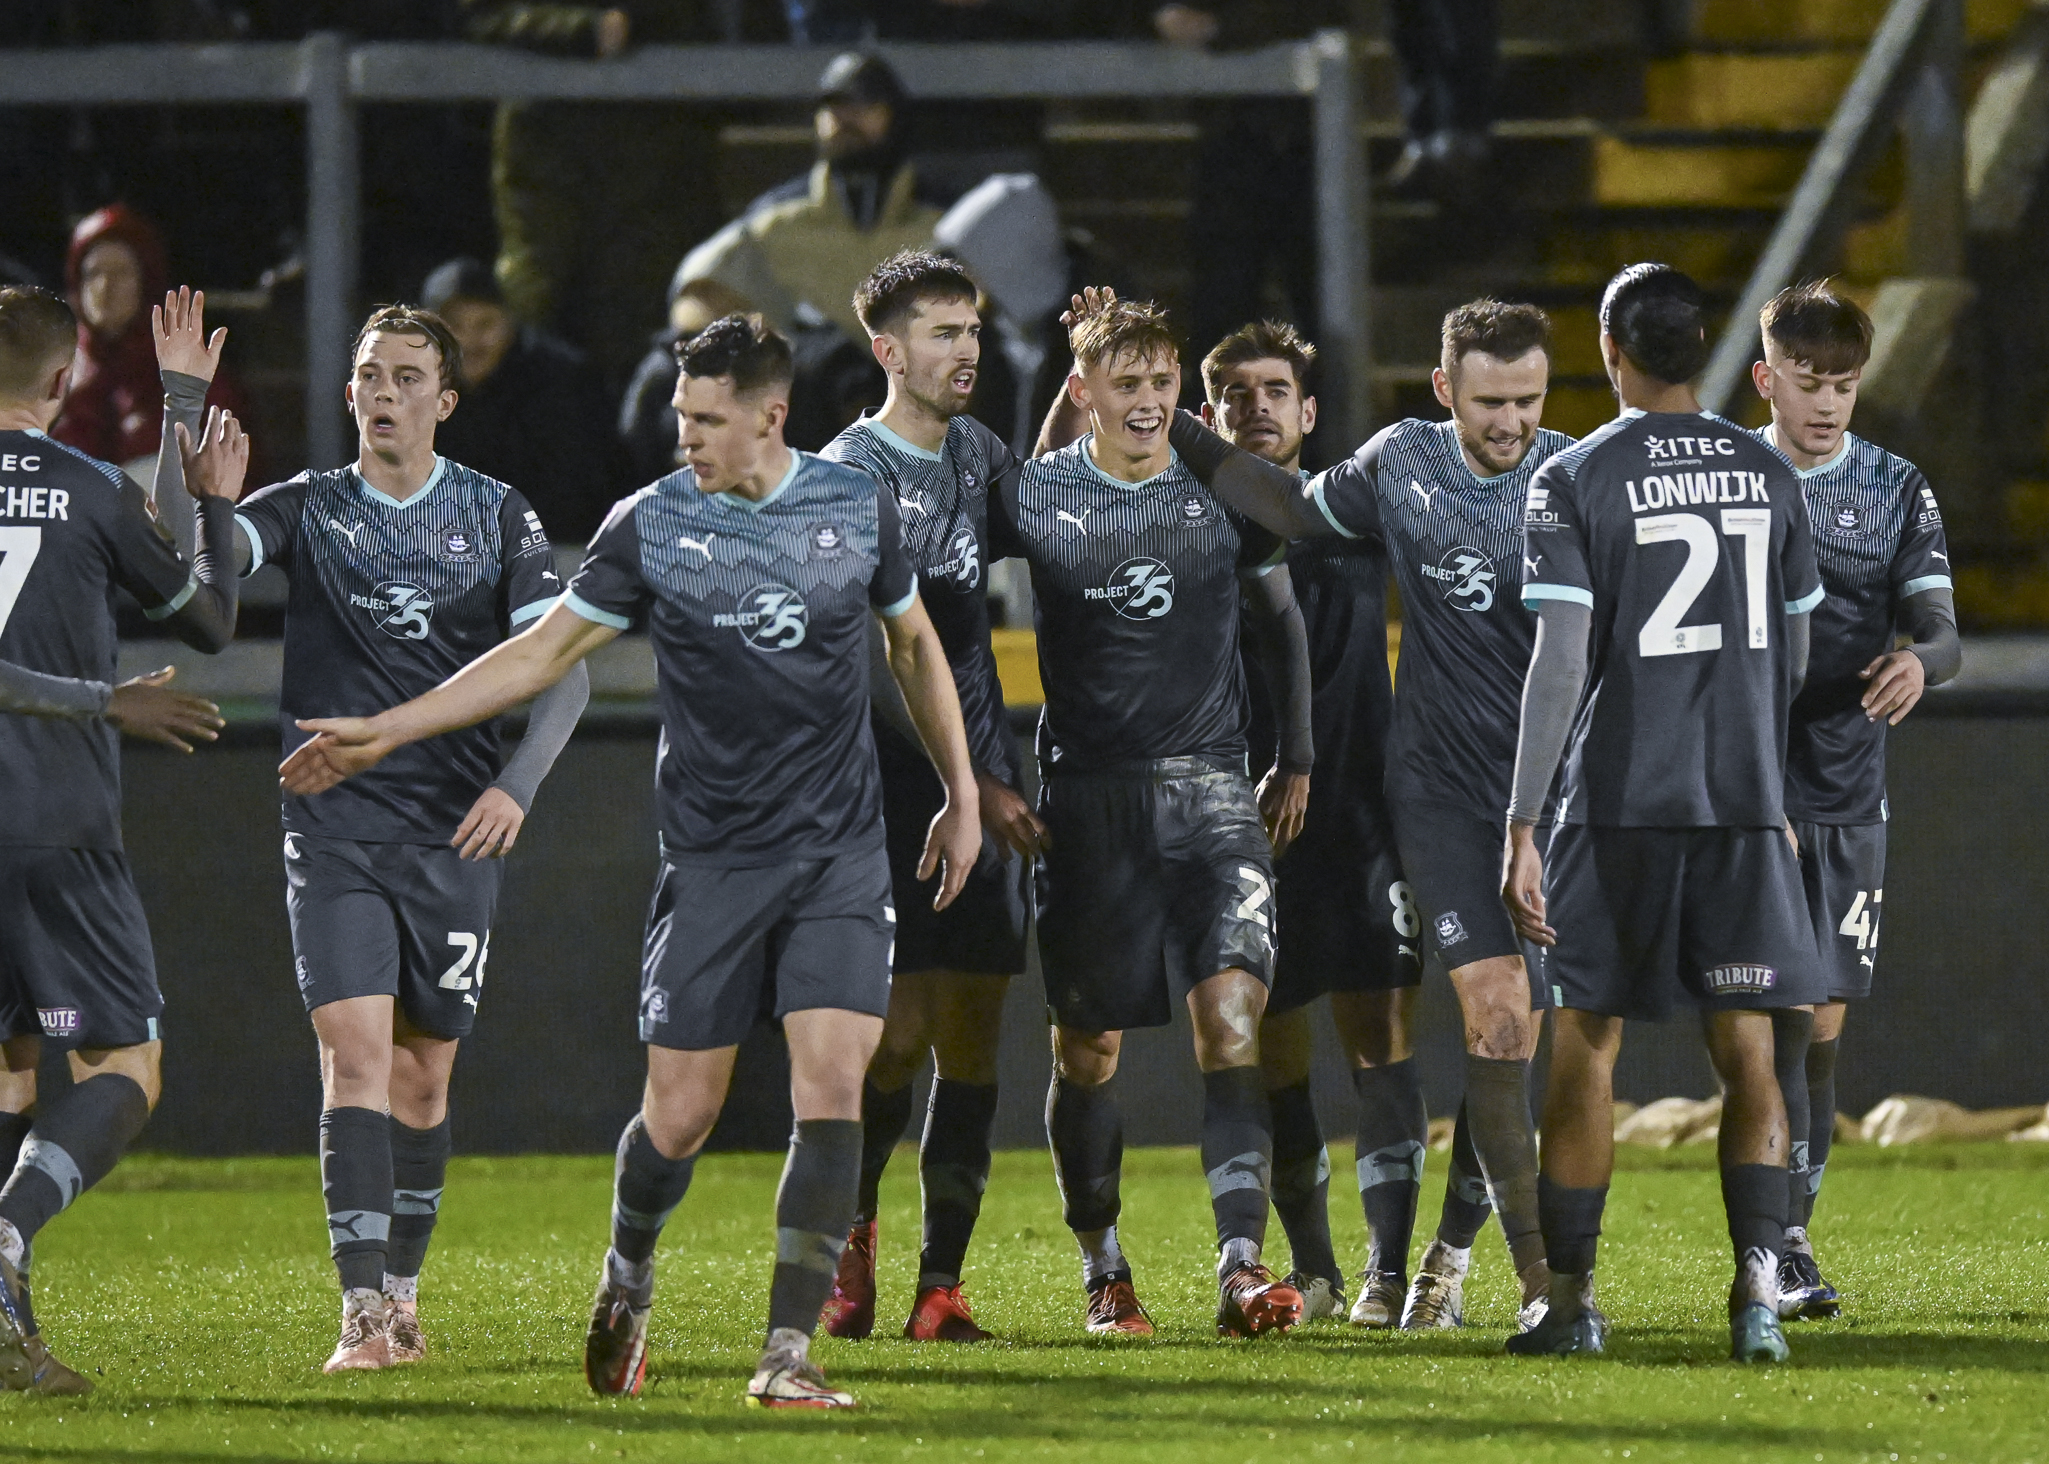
x: 1505, y: 1141
x: 1237, y: 1152
x: 1301, y: 1181
x: 355, y: 1178
x: 647, y: 1186
x: 953, y: 1170
x: 884, y: 1117
x: 1466, y: 1206
x: 75, y: 1140
x: 1393, y: 1130
x: 1755, y: 1197
x: 1821, y: 1123
x: 1571, y: 1220
x: 1102, y: 1258
x: 1792, y: 1032
x: 419, y: 1168
x: 1085, y: 1127
x: 814, y: 1209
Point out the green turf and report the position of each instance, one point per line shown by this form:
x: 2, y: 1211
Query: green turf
x: 201, y: 1295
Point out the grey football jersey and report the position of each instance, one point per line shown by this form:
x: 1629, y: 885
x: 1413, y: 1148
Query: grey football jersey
x: 1686, y: 538
x: 943, y: 499
x: 389, y: 600
x: 1878, y: 538
x: 1136, y: 587
x: 758, y: 611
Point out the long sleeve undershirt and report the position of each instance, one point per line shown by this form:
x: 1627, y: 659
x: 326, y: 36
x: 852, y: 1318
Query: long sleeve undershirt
x: 1283, y: 648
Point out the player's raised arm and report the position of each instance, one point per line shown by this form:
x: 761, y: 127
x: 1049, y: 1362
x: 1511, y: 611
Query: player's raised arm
x: 202, y: 613
x: 1324, y: 506
x: 187, y: 359
x: 504, y: 676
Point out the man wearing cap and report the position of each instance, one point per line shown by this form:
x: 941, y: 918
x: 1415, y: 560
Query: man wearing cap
x: 534, y: 412
x: 811, y: 241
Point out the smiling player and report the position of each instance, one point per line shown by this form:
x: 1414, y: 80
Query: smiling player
x: 1884, y: 561
x: 404, y: 567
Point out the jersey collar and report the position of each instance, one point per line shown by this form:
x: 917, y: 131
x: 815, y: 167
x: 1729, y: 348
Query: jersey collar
x: 1842, y: 452
x: 433, y: 482
x: 1173, y: 462
x: 756, y: 505
x: 896, y: 440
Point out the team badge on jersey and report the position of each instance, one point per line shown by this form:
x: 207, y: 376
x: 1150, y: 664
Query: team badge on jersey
x: 654, y: 1008
x: 1467, y: 576
x: 1139, y: 589
x: 827, y: 540
x: 403, y: 611
x: 458, y: 543
x: 1197, y: 511
x: 963, y: 563
x: 1848, y: 521
x: 770, y: 618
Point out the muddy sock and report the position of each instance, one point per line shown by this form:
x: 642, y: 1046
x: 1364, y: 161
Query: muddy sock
x: 814, y: 1209
x: 1466, y: 1206
x: 1237, y: 1152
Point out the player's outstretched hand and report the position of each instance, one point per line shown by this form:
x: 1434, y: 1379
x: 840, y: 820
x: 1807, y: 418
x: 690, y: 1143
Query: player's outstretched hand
x: 1522, y: 886
x: 1897, y: 681
x: 1283, y: 803
x: 179, y: 325
x: 1093, y: 300
x: 215, y: 465
x: 952, y: 845
x: 1006, y: 815
x: 147, y: 708
x: 341, y: 747
x: 492, y: 827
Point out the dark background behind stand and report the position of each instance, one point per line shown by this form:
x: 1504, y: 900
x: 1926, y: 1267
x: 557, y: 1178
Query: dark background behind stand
x: 554, y: 1065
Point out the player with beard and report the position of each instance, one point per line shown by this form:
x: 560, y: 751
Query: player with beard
x: 1442, y: 502
x: 1884, y: 560
x: 1156, y: 878
x: 951, y: 968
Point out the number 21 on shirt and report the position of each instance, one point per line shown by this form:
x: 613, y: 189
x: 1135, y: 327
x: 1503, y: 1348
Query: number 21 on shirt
x: 1662, y: 634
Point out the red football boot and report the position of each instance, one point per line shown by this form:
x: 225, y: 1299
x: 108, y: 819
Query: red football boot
x: 1250, y: 1301
x: 850, y: 1310
x: 942, y: 1315
x: 1114, y: 1308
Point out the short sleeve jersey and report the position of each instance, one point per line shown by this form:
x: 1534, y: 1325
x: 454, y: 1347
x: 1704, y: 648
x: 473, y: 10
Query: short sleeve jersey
x: 1687, y: 539
x: 1455, y: 541
x: 1136, y: 587
x: 943, y: 500
x: 388, y: 600
x: 1878, y: 539
x: 758, y: 611
x: 72, y: 531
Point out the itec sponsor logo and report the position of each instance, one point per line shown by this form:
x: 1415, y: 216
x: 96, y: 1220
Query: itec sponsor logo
x: 772, y: 618
x: 1687, y: 449
x: 1139, y: 589
x: 1739, y: 980
x: 403, y: 611
x: 58, y: 1021
x: 1467, y: 576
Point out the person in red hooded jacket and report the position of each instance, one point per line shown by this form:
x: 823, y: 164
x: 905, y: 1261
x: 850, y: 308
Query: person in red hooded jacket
x: 114, y: 408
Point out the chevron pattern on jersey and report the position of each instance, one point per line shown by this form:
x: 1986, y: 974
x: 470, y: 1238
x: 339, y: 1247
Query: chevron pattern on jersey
x: 1452, y: 532
x: 944, y: 502
x: 1860, y: 506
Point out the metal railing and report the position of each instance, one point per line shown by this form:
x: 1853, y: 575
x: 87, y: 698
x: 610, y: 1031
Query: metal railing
x: 330, y: 77
x: 1909, y: 78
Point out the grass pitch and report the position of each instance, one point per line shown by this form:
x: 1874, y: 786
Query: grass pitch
x: 201, y: 1295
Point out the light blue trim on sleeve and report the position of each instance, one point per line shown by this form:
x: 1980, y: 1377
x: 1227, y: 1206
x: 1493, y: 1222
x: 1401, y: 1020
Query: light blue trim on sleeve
x: 1532, y: 593
x: 1927, y: 582
x: 176, y: 603
x: 535, y: 610
x: 592, y: 613
x: 1316, y: 493
x: 1805, y: 603
x: 255, y: 544
x: 890, y: 612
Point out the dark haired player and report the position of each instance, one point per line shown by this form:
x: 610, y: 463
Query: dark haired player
x: 952, y: 967
x: 404, y: 567
x: 1158, y: 873
x: 1669, y: 561
x: 1884, y: 562
x: 1443, y: 503
x: 758, y: 568
x: 76, y: 968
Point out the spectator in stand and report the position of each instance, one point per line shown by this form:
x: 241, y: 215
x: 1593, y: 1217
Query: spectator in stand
x: 114, y: 272
x: 1445, y: 55
x: 594, y: 200
x: 531, y: 410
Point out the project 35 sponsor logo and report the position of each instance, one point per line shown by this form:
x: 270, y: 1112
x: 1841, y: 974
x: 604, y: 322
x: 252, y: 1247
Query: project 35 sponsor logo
x: 769, y: 617
x: 1139, y: 589
x: 403, y: 611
